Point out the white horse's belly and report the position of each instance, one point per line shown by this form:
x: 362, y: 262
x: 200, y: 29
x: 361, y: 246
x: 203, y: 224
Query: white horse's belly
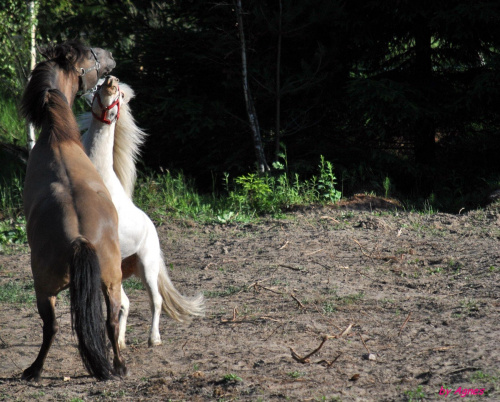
x: 132, y: 229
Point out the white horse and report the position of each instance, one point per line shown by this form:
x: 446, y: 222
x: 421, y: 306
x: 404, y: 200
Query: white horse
x: 112, y: 142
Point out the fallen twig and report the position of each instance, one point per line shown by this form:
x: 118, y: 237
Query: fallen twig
x: 406, y: 321
x: 293, y: 268
x: 364, y: 344
x: 346, y: 331
x: 329, y: 363
x: 313, y: 252
x: 256, y: 285
x: 298, y: 301
x: 329, y: 218
x: 305, y: 359
x: 361, y: 248
x: 283, y: 246
x: 235, y: 313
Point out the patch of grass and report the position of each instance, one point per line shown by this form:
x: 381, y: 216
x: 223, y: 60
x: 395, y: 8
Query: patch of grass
x: 231, y: 378
x: 17, y: 292
x: 329, y: 307
x: 435, y: 270
x: 132, y: 284
x: 482, y: 377
x: 469, y: 306
x: 296, y: 374
x: 415, y: 394
x: 351, y: 299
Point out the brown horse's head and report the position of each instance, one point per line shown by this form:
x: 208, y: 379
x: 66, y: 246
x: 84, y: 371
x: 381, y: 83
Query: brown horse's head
x: 70, y: 67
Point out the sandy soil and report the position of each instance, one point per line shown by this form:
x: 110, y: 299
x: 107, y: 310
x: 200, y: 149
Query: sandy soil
x: 325, y: 304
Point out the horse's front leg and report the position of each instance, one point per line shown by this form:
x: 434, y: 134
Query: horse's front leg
x: 46, y: 309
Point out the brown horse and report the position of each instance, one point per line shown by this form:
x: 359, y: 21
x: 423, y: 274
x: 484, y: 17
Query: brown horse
x: 72, y: 224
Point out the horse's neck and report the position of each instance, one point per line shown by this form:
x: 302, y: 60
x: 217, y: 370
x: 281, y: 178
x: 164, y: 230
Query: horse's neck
x: 98, y: 143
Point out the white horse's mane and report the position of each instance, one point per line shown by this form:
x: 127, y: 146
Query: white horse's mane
x: 128, y: 140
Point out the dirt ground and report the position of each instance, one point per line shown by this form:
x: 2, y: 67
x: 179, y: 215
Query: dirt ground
x: 347, y: 304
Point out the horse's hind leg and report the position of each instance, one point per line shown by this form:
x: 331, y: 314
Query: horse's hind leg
x: 46, y: 309
x: 150, y: 268
x: 125, y: 304
x: 113, y: 304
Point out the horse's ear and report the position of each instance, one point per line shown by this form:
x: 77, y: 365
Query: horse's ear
x: 42, y: 51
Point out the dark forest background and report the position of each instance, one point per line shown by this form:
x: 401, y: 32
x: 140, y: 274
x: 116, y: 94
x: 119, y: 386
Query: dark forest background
x: 401, y: 92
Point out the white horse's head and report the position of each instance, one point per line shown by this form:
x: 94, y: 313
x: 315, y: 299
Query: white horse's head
x: 107, y: 101
x: 111, y: 102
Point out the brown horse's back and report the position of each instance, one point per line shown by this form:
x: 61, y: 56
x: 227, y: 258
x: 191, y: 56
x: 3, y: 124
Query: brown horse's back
x: 64, y: 199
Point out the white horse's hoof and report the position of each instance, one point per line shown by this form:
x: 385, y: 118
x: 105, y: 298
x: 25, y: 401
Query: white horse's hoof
x: 122, y: 345
x: 152, y: 342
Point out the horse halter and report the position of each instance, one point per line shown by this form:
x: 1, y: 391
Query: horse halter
x: 105, y: 109
x: 82, y: 71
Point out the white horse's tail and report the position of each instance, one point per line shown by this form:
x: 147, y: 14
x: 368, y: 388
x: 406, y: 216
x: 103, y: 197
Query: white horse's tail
x: 177, y: 306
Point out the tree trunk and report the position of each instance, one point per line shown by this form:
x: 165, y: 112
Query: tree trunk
x: 252, y: 114
x: 278, y: 86
x: 425, y: 143
x: 31, y: 128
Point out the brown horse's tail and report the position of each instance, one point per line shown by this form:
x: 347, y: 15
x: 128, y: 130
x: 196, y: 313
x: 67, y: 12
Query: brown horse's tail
x: 87, y: 318
x: 177, y: 306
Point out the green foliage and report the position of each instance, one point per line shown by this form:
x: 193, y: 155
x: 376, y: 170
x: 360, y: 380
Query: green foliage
x: 170, y: 194
x: 273, y: 194
x: 247, y: 195
x: 132, y: 284
x: 13, y: 232
x: 11, y: 196
x: 14, y: 42
x: 12, y: 128
x: 232, y: 378
x: 415, y: 395
x: 17, y: 292
x: 326, y: 182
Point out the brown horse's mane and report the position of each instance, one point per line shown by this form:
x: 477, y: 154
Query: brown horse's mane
x: 63, y: 125
x: 35, y: 97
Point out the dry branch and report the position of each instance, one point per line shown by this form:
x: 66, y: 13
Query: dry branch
x: 283, y: 246
x: 364, y: 344
x: 298, y: 301
x: 305, y: 359
x: 406, y: 321
x: 361, y: 248
x: 330, y: 218
x: 293, y: 268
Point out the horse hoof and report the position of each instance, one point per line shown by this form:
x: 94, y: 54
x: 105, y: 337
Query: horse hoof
x: 31, y: 374
x: 122, y: 345
x: 121, y: 371
x: 152, y: 343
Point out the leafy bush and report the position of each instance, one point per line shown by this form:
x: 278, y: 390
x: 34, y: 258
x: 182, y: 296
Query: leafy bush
x: 273, y: 194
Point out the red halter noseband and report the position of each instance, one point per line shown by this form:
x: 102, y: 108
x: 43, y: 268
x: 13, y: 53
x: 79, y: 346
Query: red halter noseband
x: 104, y: 110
